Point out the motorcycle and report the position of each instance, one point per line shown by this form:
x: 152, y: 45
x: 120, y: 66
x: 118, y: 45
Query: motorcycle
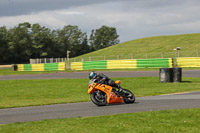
x: 102, y: 94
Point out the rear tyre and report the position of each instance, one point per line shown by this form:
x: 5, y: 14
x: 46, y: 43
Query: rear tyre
x: 129, y: 97
x: 99, y: 98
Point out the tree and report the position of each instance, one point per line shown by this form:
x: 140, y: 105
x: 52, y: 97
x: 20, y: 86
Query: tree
x: 25, y: 41
x: 103, y: 37
x: 42, y: 42
x: 4, y: 52
x: 19, y: 43
x: 71, y: 38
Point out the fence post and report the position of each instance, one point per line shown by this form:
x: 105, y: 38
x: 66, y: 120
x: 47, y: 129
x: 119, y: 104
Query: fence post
x: 90, y: 58
x: 104, y: 57
x: 197, y: 52
x: 131, y: 55
x: 146, y: 55
x: 162, y: 54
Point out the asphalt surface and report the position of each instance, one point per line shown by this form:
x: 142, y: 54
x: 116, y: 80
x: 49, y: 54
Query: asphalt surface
x: 64, y: 75
x: 84, y: 109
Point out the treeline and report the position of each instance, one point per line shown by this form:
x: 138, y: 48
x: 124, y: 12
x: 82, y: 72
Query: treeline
x: 25, y: 41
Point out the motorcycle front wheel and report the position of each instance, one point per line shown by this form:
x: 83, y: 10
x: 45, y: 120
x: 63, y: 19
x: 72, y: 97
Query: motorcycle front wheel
x: 99, y: 98
x: 129, y: 97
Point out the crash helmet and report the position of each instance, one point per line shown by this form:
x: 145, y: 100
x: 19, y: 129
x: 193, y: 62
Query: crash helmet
x: 92, y: 75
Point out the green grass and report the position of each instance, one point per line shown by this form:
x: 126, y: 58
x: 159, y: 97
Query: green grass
x: 17, y: 93
x: 168, y: 121
x: 10, y: 72
x: 154, y: 46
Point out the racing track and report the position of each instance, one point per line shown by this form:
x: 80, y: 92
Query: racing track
x: 149, y: 103
x: 63, y: 75
x: 84, y: 109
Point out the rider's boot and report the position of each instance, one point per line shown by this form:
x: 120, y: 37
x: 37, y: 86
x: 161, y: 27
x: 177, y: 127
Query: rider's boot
x: 121, y: 91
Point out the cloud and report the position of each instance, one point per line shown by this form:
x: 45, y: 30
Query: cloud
x: 24, y: 7
x: 70, y: 12
x: 132, y: 18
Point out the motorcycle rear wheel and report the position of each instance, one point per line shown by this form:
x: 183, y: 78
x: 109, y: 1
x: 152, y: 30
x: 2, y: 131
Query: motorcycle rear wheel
x: 130, y: 98
x: 99, y: 98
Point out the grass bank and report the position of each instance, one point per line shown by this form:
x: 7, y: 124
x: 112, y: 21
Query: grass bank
x: 17, y: 93
x: 153, y: 47
x: 168, y: 121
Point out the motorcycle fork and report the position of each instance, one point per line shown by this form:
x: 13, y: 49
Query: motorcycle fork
x: 98, y: 93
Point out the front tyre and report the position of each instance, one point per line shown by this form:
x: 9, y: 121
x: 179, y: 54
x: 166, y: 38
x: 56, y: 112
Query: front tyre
x: 99, y: 98
x: 129, y: 97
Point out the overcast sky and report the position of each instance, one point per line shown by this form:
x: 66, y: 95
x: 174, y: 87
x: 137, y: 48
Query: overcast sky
x: 132, y: 18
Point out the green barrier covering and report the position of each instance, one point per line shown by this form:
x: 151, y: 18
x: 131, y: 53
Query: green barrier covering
x: 27, y: 67
x: 152, y: 63
x: 94, y: 65
x: 50, y: 66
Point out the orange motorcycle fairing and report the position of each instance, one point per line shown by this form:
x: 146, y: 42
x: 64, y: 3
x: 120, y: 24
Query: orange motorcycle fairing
x: 111, y: 96
x: 92, y: 88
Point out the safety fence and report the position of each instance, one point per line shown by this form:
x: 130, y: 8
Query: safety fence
x: 140, y: 55
x: 47, y: 60
x: 188, y: 62
x: 122, y: 64
x: 41, y: 67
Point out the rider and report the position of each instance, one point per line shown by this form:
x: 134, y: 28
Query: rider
x: 104, y: 80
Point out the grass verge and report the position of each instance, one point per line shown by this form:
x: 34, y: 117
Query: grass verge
x: 18, y: 93
x: 8, y: 71
x: 167, y: 121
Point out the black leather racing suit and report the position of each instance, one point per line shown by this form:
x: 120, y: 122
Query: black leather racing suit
x: 105, y: 80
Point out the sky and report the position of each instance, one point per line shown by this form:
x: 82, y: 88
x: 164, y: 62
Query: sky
x: 133, y: 19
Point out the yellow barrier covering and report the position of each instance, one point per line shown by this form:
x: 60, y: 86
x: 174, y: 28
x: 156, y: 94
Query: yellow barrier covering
x: 61, y: 66
x: 76, y: 65
x: 20, y: 67
x: 188, y: 62
x: 170, y: 62
x: 119, y: 64
x: 37, y: 67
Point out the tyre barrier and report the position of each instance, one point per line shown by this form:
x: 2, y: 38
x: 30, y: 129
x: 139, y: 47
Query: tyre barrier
x: 170, y: 75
